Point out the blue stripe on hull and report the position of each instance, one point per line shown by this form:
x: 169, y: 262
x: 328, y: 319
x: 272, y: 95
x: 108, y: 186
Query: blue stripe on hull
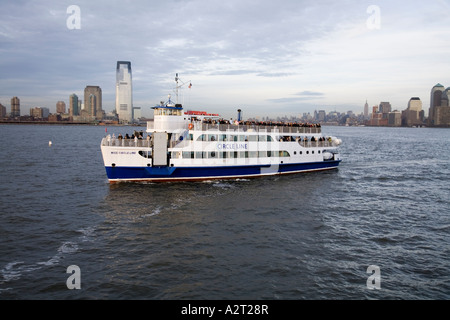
x: 207, y: 173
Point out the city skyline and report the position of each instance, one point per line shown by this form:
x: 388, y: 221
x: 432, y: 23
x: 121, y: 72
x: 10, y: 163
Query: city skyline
x: 414, y: 104
x: 266, y: 58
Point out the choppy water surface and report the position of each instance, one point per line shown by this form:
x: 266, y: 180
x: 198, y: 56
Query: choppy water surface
x: 305, y: 236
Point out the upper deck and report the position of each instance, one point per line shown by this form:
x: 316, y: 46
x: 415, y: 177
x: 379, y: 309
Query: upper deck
x: 248, y: 126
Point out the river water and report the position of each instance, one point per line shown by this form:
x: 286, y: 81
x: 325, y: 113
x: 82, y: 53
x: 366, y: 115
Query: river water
x: 296, y: 237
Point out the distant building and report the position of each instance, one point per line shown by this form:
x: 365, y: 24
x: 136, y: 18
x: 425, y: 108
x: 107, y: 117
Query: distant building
x: 15, y: 107
x: 385, y: 108
x: 366, y: 111
x: 36, y: 112
x: 439, y: 112
x: 39, y: 113
x: 137, y: 113
x: 93, y: 102
x: 377, y: 118
x: 124, y: 92
x: 54, y: 117
x: 321, y: 116
x: 374, y: 110
x: 45, y: 112
x: 74, y: 109
x: 2, y: 111
x: 436, y: 94
x: 414, y: 114
x: 395, y: 119
x: 60, y: 107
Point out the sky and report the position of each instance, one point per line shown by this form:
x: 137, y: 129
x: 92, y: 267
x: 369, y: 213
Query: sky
x: 268, y: 58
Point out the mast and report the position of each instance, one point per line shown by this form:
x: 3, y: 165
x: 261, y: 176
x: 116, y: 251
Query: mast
x: 179, y: 86
x: 176, y: 88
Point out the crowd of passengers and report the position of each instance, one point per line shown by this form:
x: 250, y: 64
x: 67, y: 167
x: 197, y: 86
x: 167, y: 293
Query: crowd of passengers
x: 137, y: 134
x: 262, y: 123
x: 305, y: 139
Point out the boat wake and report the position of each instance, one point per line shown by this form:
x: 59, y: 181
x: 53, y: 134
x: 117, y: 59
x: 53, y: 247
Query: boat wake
x: 15, y: 270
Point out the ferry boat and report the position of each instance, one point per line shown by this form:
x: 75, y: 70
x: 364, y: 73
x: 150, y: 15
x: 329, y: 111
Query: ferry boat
x: 196, y: 146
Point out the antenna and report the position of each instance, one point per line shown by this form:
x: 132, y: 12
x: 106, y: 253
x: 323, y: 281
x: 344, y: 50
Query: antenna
x: 179, y: 86
x: 176, y: 80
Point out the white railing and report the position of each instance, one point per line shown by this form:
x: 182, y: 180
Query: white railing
x: 115, y: 142
x: 316, y: 144
x: 281, y: 128
x: 287, y: 128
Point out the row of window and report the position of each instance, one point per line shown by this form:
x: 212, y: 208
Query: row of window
x: 225, y: 137
x: 265, y: 138
x: 226, y: 155
x: 230, y: 155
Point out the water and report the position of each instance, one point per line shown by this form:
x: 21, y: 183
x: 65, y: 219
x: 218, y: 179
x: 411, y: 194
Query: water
x: 296, y: 237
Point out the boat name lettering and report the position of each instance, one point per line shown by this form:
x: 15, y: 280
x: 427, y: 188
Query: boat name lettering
x: 232, y: 146
x: 123, y: 152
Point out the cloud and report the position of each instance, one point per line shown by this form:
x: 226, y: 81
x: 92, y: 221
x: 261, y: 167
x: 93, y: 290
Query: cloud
x: 275, y: 74
x: 310, y: 94
x: 300, y: 97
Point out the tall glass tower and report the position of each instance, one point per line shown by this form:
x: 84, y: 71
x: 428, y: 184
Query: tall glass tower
x: 73, y: 105
x: 124, y: 98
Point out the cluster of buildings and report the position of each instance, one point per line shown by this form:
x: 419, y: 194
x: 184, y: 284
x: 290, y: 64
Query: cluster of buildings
x: 384, y: 115
x: 414, y: 115
x: 87, y: 109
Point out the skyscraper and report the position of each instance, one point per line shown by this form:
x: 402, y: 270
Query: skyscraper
x: 2, y: 111
x: 60, y: 107
x: 366, y: 111
x: 413, y: 115
x: 415, y: 104
x: 385, y: 108
x: 73, y: 105
x: 124, y: 98
x: 93, y: 101
x: 436, y: 94
x: 15, y: 107
x: 439, y: 112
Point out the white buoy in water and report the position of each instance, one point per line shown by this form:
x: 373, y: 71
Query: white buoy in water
x: 50, y: 143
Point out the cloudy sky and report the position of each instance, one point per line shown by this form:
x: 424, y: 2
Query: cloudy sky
x: 268, y: 58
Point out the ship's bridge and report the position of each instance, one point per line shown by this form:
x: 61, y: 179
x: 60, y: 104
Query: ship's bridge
x: 168, y: 118
x: 168, y: 110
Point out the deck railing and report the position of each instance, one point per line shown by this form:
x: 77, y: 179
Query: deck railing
x: 202, y: 126
x: 115, y: 142
x: 286, y: 128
